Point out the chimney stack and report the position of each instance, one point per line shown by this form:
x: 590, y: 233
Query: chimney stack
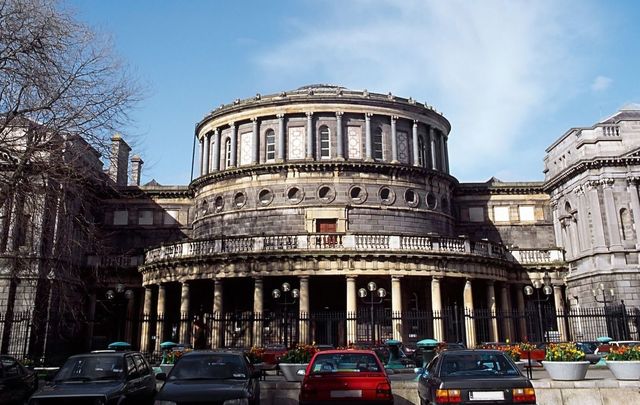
x: 119, y: 161
x: 136, y: 170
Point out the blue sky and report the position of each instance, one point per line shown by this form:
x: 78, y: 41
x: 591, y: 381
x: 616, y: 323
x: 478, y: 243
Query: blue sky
x: 511, y: 76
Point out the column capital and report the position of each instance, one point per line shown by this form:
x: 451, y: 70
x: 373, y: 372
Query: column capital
x: 280, y: 116
x: 339, y: 114
x: 254, y: 119
x: 415, y: 123
x: 394, y: 118
x: 303, y: 277
x: 437, y: 278
x: 309, y: 114
x: 351, y: 277
x: 216, y: 131
x: 232, y: 124
x: 368, y: 116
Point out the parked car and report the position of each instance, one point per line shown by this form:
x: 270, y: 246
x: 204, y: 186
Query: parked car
x: 339, y: 376
x: 589, y: 349
x: 17, y: 383
x: 472, y: 376
x: 211, y: 377
x: 104, y: 377
x: 273, y: 352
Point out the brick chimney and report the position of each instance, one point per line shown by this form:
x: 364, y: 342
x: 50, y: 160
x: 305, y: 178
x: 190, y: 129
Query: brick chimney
x: 119, y: 161
x: 136, y: 170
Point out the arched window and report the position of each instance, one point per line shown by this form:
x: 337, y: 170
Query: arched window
x: 227, y: 153
x: 377, y: 144
x: 270, y: 145
x: 325, y: 143
x: 626, y: 224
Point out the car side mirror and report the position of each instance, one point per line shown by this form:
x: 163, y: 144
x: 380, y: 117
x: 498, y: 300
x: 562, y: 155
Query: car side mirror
x: 418, y: 370
x: 301, y: 372
x: 161, y: 376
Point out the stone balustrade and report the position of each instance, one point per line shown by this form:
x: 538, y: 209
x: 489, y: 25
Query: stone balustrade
x: 348, y: 242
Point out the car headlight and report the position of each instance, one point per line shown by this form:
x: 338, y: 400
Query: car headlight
x: 164, y: 402
x: 239, y: 401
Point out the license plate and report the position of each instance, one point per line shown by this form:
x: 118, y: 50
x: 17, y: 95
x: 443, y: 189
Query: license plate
x: 486, y: 396
x: 346, y: 394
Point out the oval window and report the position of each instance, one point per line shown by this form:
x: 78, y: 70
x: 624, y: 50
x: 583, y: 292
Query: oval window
x: 326, y: 194
x: 240, y: 199
x: 411, y: 198
x: 295, y: 195
x: 357, y: 194
x: 265, y: 196
x: 432, y: 201
x: 387, y: 196
x: 219, y: 203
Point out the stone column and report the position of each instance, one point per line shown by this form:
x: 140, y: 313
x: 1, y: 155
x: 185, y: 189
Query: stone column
x: 310, y: 144
x: 611, y: 213
x: 416, y: 152
x: 131, y: 312
x: 432, y: 142
x: 368, y: 141
x: 216, y: 328
x: 396, y: 307
x: 470, y: 327
x: 160, y: 323
x: 216, y: 150
x: 522, y: 324
x: 304, y: 310
x: 339, y: 136
x: 258, y: 311
x: 394, y: 139
x: 560, y: 313
x: 446, y: 153
x: 254, y: 140
x: 207, y: 152
x: 146, y: 313
x: 185, y: 321
x: 281, y: 138
x: 596, y: 216
x: 443, y: 155
x: 491, y: 305
x: 351, y: 309
x: 507, y: 324
x: 436, y: 308
x: 635, y: 207
x: 201, y: 156
x: 234, y: 144
x: 584, y: 241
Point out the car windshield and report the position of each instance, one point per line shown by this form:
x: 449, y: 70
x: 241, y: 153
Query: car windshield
x: 210, y: 367
x: 345, y: 362
x: 477, y: 365
x: 91, y: 368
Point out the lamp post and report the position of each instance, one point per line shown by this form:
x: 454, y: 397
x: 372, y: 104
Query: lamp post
x: 118, y: 296
x: 376, y: 295
x: 601, y: 290
x: 547, y: 291
x: 289, y: 297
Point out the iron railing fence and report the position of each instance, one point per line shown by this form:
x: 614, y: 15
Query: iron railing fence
x: 15, y: 332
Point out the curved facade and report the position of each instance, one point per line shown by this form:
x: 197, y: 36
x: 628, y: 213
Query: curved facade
x: 328, y: 189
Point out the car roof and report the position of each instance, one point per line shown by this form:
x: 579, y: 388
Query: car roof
x: 471, y: 351
x: 195, y: 353
x: 348, y: 351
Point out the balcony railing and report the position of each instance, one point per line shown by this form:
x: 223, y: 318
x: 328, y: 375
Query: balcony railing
x: 347, y: 242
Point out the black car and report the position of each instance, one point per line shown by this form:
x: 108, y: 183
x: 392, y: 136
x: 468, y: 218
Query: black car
x: 16, y: 382
x: 100, y: 379
x: 211, y: 377
x: 474, y: 376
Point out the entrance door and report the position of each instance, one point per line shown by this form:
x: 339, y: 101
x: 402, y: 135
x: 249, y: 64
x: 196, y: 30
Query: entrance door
x: 326, y: 226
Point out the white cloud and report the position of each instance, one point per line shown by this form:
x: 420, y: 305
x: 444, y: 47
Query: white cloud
x: 490, y: 66
x: 601, y: 83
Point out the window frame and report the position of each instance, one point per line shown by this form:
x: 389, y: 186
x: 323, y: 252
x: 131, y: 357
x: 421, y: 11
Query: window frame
x: 270, y: 145
x: 325, y: 142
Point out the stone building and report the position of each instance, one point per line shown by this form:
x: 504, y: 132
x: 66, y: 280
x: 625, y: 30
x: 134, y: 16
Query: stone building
x: 326, y: 190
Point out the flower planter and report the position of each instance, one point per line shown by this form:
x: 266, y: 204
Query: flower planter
x: 625, y: 369
x: 536, y: 354
x: 566, y: 370
x: 290, y: 370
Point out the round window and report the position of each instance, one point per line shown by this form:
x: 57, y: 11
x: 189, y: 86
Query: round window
x: 265, y: 197
x: 357, y: 194
x: 219, y: 203
x: 295, y: 195
x: 411, y: 198
x: 432, y: 201
x: 240, y: 199
x: 387, y: 196
x: 326, y: 194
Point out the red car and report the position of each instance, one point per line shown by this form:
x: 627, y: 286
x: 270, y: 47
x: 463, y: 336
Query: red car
x: 339, y: 376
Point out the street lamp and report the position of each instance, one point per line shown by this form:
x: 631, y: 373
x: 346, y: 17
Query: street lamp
x: 376, y: 296
x: 284, y: 295
x: 601, y: 290
x: 115, y: 297
x: 547, y: 291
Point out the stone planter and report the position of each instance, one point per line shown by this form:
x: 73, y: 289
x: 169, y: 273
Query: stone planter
x: 625, y: 369
x: 566, y: 370
x: 290, y: 370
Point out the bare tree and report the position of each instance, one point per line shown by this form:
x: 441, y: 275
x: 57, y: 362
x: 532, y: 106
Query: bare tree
x: 62, y: 95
